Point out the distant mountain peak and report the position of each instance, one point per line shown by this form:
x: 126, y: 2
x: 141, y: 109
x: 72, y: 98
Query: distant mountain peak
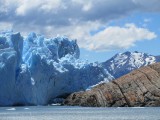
x: 123, y: 63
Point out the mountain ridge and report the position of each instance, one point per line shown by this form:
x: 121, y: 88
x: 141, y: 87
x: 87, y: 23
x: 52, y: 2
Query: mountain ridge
x: 123, y: 63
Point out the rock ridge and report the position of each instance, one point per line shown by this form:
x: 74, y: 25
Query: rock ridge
x: 136, y: 89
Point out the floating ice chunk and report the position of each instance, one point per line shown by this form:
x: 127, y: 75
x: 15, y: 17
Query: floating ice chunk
x: 32, y: 81
x: 11, y: 109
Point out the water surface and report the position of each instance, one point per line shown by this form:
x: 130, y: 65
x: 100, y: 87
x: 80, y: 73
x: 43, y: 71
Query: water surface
x: 78, y: 113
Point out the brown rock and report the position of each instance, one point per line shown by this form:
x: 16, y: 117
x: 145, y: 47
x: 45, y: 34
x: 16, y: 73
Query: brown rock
x: 138, y: 88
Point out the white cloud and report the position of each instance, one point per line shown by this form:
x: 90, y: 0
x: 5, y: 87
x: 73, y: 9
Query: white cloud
x: 147, y: 20
x: 77, y: 18
x: 111, y: 38
x: 87, y: 6
x: 25, y: 6
x: 5, y: 26
x: 116, y: 37
x: 81, y: 32
x: 50, y: 5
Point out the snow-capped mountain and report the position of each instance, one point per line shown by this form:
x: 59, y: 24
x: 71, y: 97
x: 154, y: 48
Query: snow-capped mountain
x: 123, y: 63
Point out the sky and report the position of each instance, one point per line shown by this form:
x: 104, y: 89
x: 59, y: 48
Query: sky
x: 102, y: 27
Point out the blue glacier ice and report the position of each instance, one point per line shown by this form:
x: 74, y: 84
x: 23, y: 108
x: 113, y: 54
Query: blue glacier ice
x: 34, y: 70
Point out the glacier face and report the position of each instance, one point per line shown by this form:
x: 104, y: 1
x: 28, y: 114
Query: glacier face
x: 35, y: 70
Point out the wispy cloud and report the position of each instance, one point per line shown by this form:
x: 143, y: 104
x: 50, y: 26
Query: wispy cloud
x: 147, y: 20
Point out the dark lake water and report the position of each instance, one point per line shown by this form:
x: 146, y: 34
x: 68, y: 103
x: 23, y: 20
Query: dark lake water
x: 78, y: 113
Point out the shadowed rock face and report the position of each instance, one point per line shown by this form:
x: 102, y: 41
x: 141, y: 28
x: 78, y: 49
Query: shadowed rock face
x: 138, y: 88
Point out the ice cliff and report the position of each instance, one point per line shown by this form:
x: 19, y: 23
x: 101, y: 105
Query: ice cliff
x: 35, y: 69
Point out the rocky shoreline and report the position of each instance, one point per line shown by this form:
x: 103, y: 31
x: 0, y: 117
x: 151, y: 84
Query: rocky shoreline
x: 136, y: 89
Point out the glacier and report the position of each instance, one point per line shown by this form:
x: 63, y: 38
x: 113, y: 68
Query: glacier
x: 34, y: 70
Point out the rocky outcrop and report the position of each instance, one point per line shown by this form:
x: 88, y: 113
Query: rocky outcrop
x: 138, y: 88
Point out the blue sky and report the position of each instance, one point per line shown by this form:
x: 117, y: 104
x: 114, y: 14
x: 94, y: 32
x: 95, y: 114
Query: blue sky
x: 102, y: 27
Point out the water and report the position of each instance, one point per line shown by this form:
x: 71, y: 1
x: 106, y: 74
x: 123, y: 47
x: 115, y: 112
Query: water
x: 78, y: 113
